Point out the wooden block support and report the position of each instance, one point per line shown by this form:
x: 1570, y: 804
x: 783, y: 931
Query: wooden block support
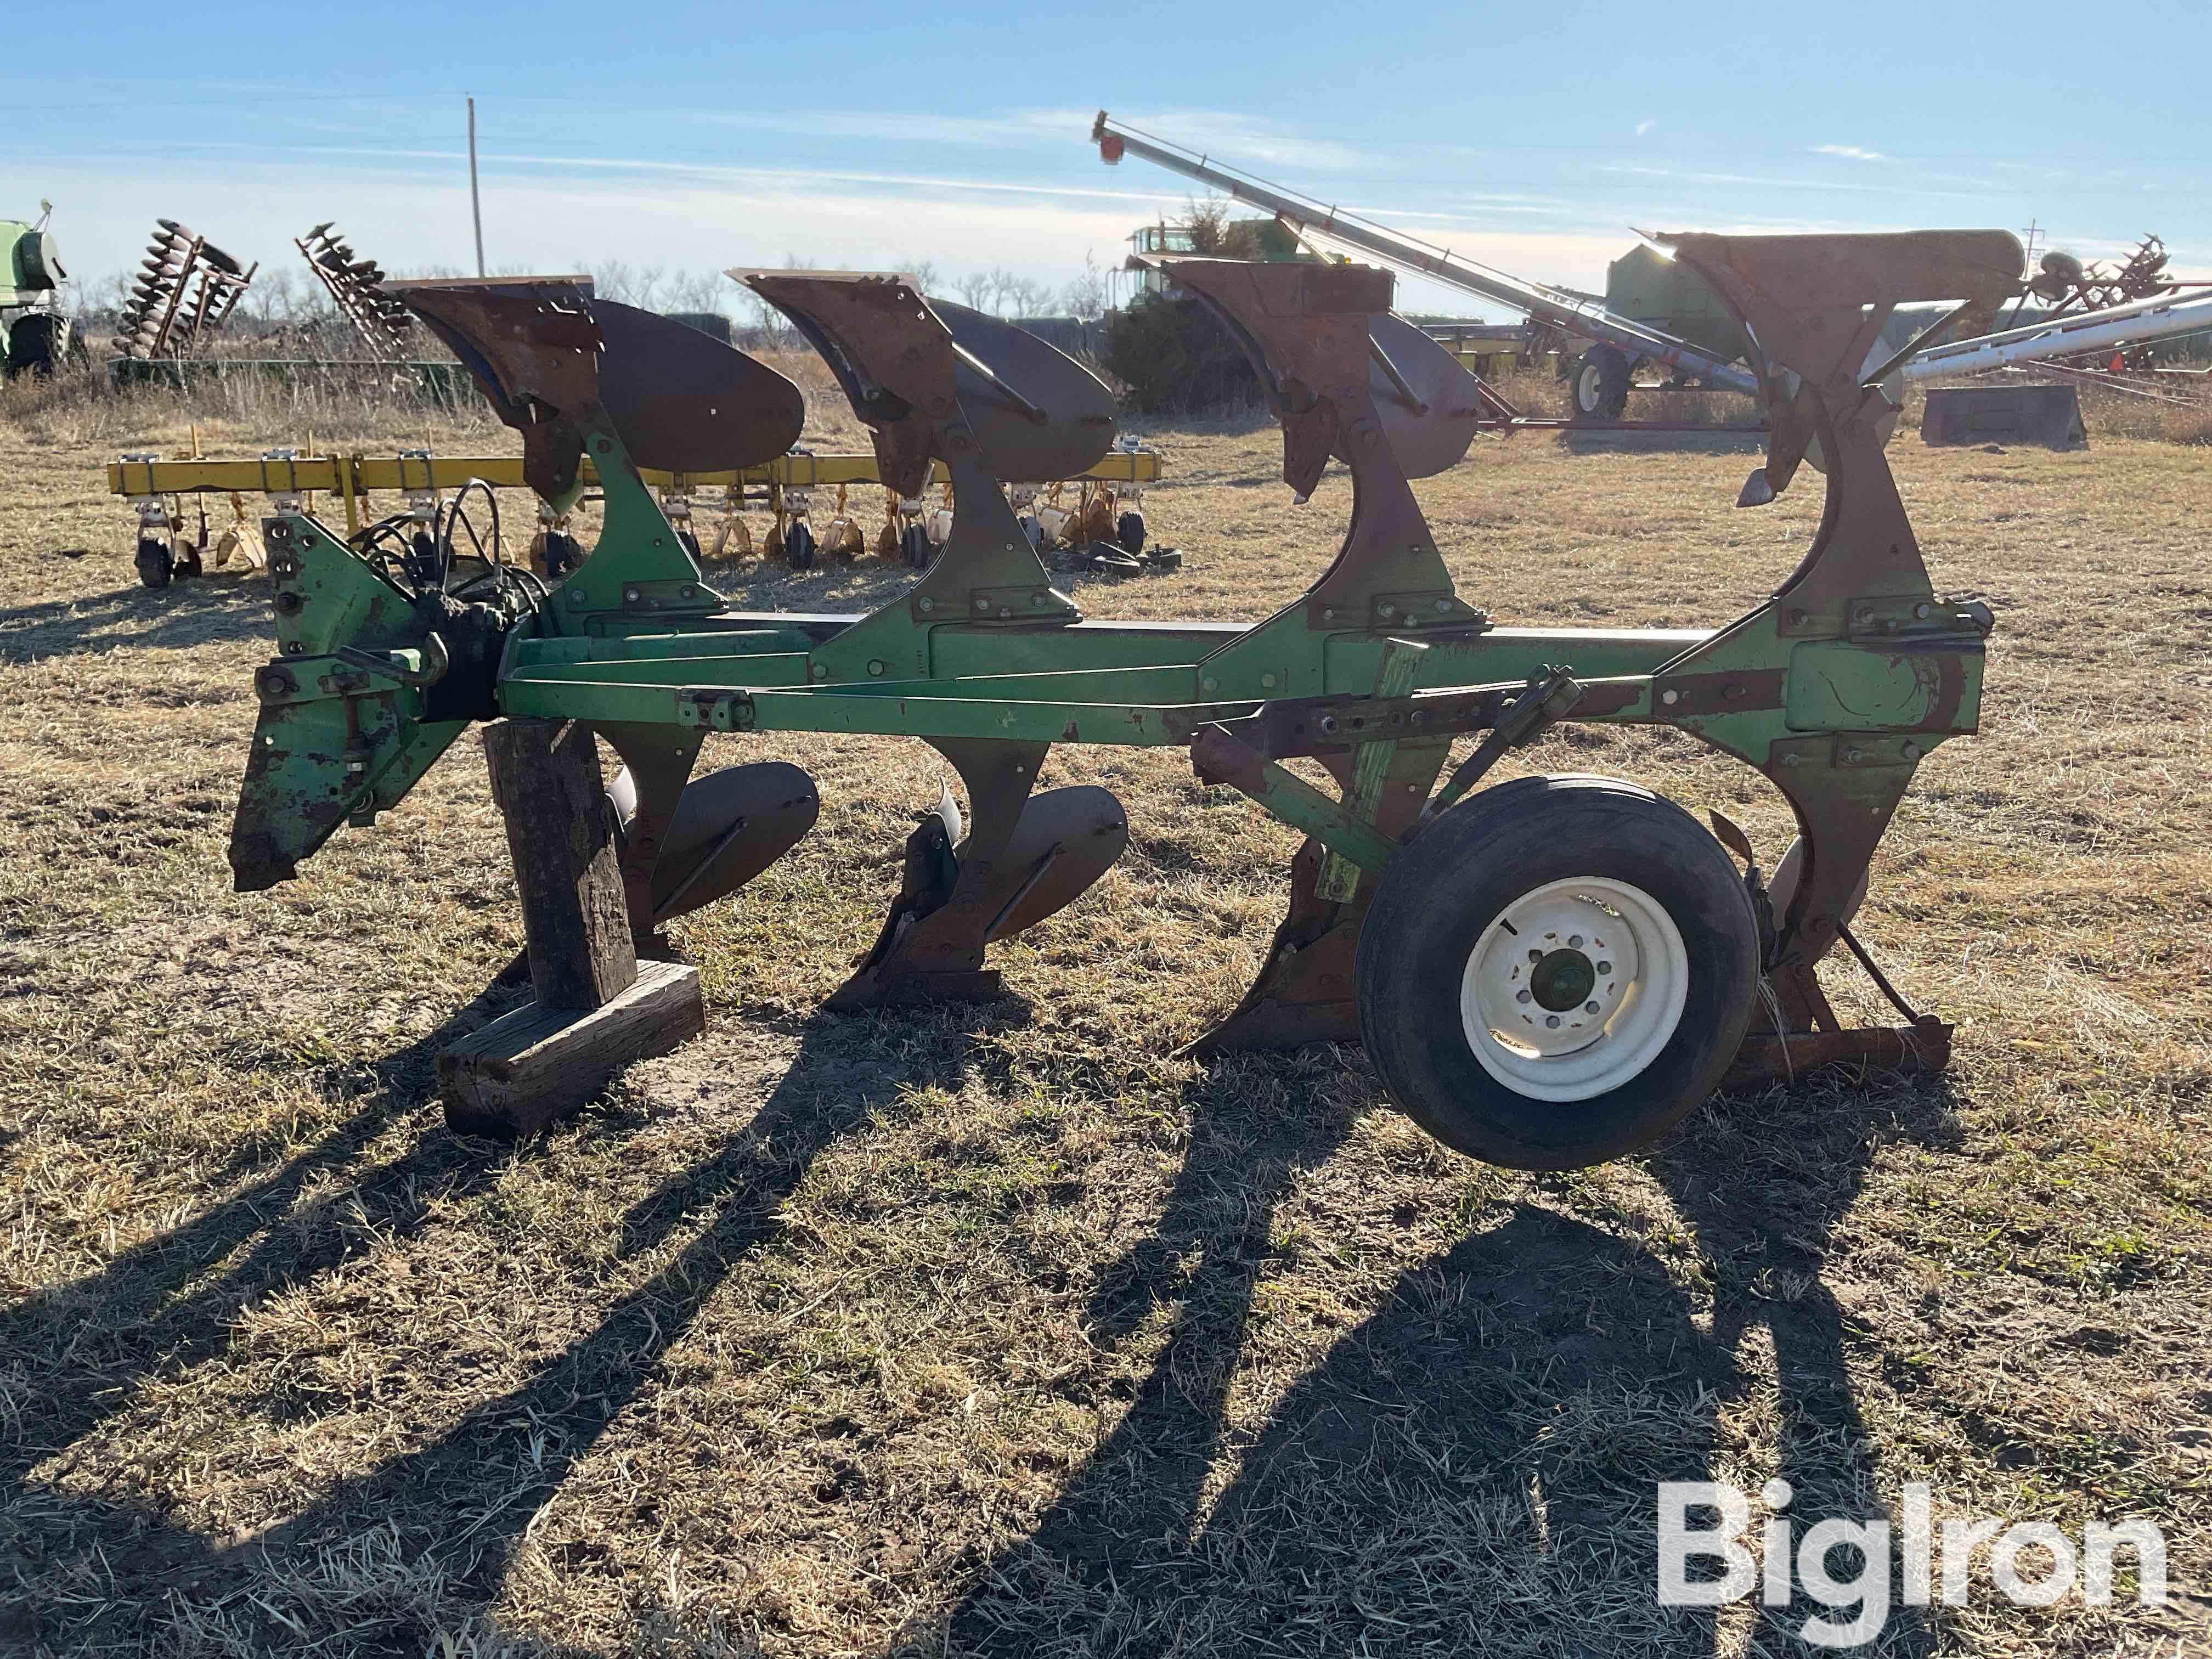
x: 524, y: 1072
x: 545, y: 777
x: 597, y: 1007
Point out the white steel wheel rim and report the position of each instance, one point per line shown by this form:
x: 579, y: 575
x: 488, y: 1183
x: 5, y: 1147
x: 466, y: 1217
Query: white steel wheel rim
x: 1589, y: 387
x: 1574, y: 987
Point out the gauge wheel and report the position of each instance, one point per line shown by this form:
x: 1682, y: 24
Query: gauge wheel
x: 157, y: 564
x: 1129, y: 531
x: 1557, y: 972
x: 799, y: 546
x: 1598, y: 385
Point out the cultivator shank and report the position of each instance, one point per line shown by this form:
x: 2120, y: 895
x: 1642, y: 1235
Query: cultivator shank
x: 1547, y: 971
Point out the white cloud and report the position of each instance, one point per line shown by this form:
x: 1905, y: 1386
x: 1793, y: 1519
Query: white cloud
x: 1643, y: 127
x: 1850, y: 152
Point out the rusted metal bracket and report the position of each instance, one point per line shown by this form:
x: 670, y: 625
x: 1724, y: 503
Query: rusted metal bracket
x: 1546, y: 700
x: 1219, y: 758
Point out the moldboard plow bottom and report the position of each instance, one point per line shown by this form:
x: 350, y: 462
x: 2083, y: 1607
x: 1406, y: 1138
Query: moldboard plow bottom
x: 1547, y: 972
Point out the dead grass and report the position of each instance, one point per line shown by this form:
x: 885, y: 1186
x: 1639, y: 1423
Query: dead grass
x: 999, y: 1329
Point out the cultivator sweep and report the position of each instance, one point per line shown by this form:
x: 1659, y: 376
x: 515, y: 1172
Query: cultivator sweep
x: 187, y: 289
x: 1547, y: 972
x: 355, y: 286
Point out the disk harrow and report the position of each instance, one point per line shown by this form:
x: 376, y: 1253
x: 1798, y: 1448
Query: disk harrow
x: 1547, y: 972
x: 355, y: 286
x: 187, y: 289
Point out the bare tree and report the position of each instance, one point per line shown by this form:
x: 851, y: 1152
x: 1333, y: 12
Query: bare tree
x: 976, y: 289
x: 1084, y: 296
x: 611, y: 279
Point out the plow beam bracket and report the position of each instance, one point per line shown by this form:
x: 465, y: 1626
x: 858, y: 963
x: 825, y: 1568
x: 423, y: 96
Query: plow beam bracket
x: 1219, y: 758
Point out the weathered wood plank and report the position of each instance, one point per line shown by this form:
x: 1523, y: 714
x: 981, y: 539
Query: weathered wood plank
x: 524, y: 1072
x: 545, y: 777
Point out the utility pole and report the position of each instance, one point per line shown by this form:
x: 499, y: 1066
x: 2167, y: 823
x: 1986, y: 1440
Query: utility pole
x: 476, y: 201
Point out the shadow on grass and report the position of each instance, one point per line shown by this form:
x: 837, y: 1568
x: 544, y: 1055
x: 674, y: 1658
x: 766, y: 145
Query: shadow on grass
x: 198, y: 611
x: 1475, y: 1466
x: 93, y: 1572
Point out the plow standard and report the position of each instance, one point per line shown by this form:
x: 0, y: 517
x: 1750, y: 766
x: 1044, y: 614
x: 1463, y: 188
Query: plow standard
x: 1546, y: 972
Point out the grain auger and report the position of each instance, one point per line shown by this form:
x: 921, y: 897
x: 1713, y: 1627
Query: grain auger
x: 1546, y: 972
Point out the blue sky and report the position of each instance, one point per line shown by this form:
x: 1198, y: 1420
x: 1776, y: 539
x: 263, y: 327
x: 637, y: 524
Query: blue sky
x: 866, y: 134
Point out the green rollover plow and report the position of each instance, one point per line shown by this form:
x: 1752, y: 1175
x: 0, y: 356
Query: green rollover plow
x: 1546, y: 972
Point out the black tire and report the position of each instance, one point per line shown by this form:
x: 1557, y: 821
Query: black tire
x: 188, y: 562
x: 916, y: 547
x: 690, y: 541
x: 1597, y: 385
x: 1129, y: 531
x: 35, y: 345
x: 799, y: 546
x: 1472, y: 865
x: 155, y: 564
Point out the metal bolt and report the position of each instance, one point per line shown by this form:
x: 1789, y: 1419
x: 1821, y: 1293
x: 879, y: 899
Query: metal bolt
x: 926, y: 603
x: 1267, y: 680
x: 575, y: 596
x: 1385, y: 609
x: 1209, y: 684
x: 1552, y: 1020
x: 1535, y: 955
x: 1442, y: 606
x: 1329, y: 613
x: 1574, y: 941
x: 1589, y: 1007
x: 983, y: 604
x: 1520, y: 996
x: 876, y: 668
x: 1923, y: 610
x: 1854, y: 755
x: 819, y: 672
x: 631, y: 595
x: 1670, y: 698
x: 1790, y: 758
x: 1863, y: 617
x: 1910, y: 751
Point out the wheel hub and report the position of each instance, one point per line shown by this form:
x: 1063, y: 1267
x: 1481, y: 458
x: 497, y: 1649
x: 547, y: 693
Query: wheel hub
x: 1560, y: 980
x: 1574, y: 987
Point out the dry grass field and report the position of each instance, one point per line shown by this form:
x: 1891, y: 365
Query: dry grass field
x: 999, y: 1329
